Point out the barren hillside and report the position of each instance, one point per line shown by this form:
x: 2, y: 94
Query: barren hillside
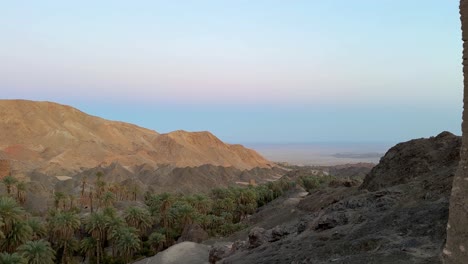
x: 59, y: 139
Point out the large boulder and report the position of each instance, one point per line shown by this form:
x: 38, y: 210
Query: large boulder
x: 257, y: 237
x: 415, y: 158
x: 220, y: 251
x: 193, y: 233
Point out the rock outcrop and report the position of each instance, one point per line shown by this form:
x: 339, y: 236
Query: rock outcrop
x: 456, y: 249
x: 398, y: 216
x: 193, y: 233
x: 416, y: 158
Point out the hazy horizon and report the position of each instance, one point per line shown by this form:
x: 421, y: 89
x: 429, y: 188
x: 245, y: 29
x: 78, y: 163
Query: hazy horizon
x: 249, y: 72
x: 323, y: 153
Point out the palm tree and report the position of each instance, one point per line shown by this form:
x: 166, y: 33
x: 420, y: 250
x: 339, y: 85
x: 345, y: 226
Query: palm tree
x: 10, y: 213
x: 186, y: 214
x: 108, y: 199
x: 213, y: 222
x: 264, y: 195
x: 224, y: 205
x: 114, y: 222
x: 37, y: 252
x: 99, y: 185
x: 156, y: 240
x: 63, y: 226
x: 91, y: 200
x: 153, y: 201
x: 20, y: 233
x: 14, y: 258
x: 21, y: 192
x: 71, y: 200
x: 99, y: 175
x: 166, y: 201
x: 68, y: 249
x: 127, y: 242
x: 138, y: 217
x: 2, y: 235
x: 97, y: 226
x: 88, y: 246
x: 38, y: 228
x: 135, y: 191
x: 202, y: 204
x: 83, y: 185
x: 116, y: 189
x: 9, y: 182
x: 58, y: 198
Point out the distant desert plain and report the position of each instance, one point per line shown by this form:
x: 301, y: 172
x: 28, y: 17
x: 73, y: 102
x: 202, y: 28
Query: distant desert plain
x: 323, y: 153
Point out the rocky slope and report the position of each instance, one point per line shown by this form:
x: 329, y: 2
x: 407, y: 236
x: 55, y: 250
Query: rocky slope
x: 170, y: 178
x: 60, y: 140
x: 398, y: 215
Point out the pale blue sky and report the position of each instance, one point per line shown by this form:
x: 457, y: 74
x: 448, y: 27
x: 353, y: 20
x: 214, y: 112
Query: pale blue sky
x: 249, y: 71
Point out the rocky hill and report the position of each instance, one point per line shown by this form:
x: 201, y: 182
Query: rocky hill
x: 61, y: 140
x: 398, y: 215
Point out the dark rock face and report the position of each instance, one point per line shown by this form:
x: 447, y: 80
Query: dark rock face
x: 399, y: 216
x: 456, y: 249
x: 257, y: 237
x: 193, y: 233
x: 277, y: 233
x: 218, y: 252
x: 331, y: 220
x: 413, y: 159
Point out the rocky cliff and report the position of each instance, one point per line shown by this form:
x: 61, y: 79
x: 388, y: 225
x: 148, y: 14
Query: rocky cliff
x: 399, y: 215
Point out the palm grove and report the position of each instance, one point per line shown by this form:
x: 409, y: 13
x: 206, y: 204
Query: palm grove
x: 88, y: 227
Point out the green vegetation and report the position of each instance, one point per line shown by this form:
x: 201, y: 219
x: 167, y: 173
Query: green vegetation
x: 89, y: 226
x: 309, y: 183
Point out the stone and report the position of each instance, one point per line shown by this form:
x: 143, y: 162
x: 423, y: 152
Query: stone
x: 219, y: 252
x: 276, y: 234
x: 193, y: 233
x: 331, y: 220
x: 257, y: 237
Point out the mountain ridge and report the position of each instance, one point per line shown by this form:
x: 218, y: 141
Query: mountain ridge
x: 55, y: 138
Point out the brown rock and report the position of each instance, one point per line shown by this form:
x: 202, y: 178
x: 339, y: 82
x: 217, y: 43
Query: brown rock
x: 5, y: 169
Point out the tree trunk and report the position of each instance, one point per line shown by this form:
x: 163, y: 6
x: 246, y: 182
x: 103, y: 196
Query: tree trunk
x: 456, y: 248
x: 64, y: 257
x: 91, y: 200
x: 98, y: 249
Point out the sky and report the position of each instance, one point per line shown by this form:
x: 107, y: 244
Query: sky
x: 248, y: 71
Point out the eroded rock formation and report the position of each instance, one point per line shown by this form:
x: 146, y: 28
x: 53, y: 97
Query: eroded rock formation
x: 456, y: 248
